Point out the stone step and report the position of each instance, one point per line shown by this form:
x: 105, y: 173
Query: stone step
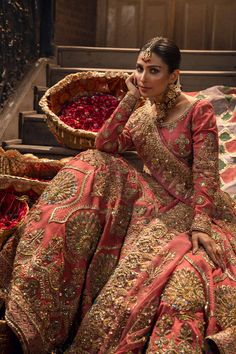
x: 39, y: 91
x: 57, y: 152
x: 56, y: 73
x: 53, y: 152
x: 103, y: 57
x: 33, y: 129
x: 190, y: 80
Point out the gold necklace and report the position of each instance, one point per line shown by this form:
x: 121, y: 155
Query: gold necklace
x: 172, y: 93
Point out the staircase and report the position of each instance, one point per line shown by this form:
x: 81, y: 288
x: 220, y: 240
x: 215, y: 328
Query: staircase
x: 200, y: 69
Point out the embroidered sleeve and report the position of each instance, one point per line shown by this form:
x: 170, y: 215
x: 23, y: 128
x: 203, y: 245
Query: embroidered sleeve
x: 205, y: 166
x: 114, y: 136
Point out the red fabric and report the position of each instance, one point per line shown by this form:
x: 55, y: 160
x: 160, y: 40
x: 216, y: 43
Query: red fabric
x: 103, y: 241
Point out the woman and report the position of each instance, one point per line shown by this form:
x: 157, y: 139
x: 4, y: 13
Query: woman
x: 112, y: 260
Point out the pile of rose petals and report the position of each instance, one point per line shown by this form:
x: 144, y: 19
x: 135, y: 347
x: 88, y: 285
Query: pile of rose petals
x: 88, y: 112
x: 12, y: 210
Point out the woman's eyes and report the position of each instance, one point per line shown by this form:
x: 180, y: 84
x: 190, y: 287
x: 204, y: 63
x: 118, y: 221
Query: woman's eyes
x: 154, y: 71
x: 139, y: 69
x: 151, y: 70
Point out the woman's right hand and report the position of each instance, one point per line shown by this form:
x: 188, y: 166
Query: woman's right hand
x: 132, y: 85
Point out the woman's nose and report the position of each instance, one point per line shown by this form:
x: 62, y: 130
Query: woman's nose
x: 143, y: 77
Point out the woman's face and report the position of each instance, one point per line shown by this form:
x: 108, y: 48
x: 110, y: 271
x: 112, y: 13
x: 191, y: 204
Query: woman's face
x: 153, y: 76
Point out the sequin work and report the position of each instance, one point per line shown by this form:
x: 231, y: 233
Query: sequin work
x: 104, y: 262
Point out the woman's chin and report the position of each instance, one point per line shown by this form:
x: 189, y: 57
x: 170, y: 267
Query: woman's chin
x: 144, y: 94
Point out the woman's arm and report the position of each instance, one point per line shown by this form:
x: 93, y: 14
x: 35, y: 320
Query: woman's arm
x: 114, y: 136
x: 205, y: 178
x: 205, y: 166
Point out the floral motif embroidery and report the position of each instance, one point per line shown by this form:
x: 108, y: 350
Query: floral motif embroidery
x: 178, y: 218
x: 184, y: 291
x: 79, y: 230
x: 100, y: 323
x: 225, y: 311
x: 61, y: 189
x: 202, y: 222
x: 157, y: 157
x: 183, y: 142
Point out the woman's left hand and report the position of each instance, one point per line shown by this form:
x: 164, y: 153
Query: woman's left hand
x: 131, y: 84
x: 214, y: 251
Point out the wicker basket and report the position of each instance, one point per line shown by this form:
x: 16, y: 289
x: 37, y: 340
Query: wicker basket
x: 71, y: 87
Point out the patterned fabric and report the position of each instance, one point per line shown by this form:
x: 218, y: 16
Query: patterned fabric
x: 104, y: 262
x: 223, y: 100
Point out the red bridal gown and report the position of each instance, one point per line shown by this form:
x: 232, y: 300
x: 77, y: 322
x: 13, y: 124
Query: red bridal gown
x: 105, y: 264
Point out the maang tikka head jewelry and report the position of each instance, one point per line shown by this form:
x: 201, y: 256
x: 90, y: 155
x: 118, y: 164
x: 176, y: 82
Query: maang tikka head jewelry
x: 147, y: 53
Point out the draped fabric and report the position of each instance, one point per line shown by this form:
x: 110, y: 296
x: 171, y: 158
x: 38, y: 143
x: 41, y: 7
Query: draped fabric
x: 104, y: 262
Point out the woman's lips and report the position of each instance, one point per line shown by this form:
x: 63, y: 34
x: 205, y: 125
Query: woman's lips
x: 144, y: 88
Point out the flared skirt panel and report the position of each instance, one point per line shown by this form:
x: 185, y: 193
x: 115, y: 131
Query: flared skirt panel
x: 104, y: 265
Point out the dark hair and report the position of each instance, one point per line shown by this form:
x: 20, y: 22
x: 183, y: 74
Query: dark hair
x: 166, y: 49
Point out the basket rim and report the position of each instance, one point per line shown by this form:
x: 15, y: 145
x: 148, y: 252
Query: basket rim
x: 51, y: 116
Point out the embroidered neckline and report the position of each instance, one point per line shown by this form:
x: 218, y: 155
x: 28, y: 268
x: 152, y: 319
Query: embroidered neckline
x: 181, y: 117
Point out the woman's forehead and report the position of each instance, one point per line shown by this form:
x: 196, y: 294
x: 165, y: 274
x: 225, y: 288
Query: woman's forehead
x: 154, y: 60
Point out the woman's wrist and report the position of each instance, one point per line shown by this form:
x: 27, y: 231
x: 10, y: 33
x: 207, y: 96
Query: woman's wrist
x: 135, y: 93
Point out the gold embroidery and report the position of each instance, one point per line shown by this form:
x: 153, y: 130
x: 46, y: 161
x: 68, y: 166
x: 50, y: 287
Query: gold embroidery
x: 206, y: 160
x: 82, y: 234
x: 182, y: 143
x: 62, y: 188
x: 34, y: 214
x: 225, y: 302
x: 30, y: 242
x: 225, y: 340
x: 62, y: 213
x: 178, y: 218
x: 184, y: 291
x: 156, y: 156
x: 201, y: 223
x: 116, y: 299
x: 186, y: 333
x: 206, y: 282
x: 100, y: 270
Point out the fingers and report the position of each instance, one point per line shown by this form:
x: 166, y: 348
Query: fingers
x: 195, y: 243
x: 213, y: 250
x: 131, y: 84
x: 131, y: 79
x: 219, y: 256
x: 215, y: 253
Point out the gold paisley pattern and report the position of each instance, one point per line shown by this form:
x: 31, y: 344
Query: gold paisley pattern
x: 184, y: 291
x: 62, y: 188
x: 163, y: 339
x: 225, y: 300
x: 82, y: 233
x: 114, y: 302
x: 103, y: 255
